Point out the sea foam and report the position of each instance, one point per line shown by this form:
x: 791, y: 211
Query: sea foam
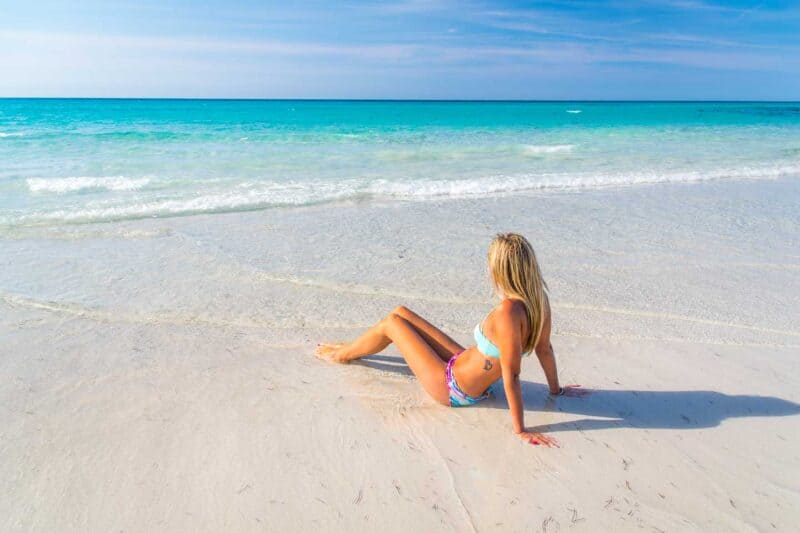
x: 73, y: 184
x: 246, y: 198
x: 500, y: 184
x: 536, y: 149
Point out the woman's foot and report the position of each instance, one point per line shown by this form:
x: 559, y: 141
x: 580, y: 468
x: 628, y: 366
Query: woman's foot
x: 332, y: 352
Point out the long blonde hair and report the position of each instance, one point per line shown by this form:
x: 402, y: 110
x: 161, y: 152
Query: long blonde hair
x: 515, y: 273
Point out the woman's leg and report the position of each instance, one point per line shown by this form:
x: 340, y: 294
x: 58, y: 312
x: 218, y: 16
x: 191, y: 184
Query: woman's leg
x: 423, y: 360
x: 438, y: 340
x: 373, y: 341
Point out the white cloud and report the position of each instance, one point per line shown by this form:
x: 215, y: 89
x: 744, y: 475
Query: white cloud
x: 82, y: 48
x: 42, y: 63
x: 280, y: 48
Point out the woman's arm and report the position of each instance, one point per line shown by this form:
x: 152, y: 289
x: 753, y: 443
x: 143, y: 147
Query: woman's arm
x: 510, y: 318
x: 508, y: 326
x: 544, y: 351
x: 547, y: 358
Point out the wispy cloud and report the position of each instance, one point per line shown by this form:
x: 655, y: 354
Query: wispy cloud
x: 409, y: 6
x: 760, y: 8
x: 696, y: 5
x: 416, y: 46
x: 547, y: 53
x: 176, y: 44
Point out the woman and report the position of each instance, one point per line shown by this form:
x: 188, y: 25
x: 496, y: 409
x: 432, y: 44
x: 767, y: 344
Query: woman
x: 458, y: 377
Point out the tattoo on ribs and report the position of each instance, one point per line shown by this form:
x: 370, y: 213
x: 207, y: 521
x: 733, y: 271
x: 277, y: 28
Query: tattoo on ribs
x: 487, y: 364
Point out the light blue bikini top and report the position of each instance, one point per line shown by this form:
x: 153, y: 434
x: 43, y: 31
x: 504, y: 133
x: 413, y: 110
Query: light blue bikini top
x: 485, y: 346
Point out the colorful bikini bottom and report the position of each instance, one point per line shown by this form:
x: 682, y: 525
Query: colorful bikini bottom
x: 459, y: 398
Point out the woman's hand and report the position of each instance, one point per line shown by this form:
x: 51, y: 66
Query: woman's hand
x: 572, y: 391
x: 538, y: 438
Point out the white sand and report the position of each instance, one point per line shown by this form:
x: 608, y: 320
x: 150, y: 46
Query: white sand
x: 158, y: 375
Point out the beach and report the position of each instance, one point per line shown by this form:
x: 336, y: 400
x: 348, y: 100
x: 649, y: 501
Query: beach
x: 159, y: 374
x: 157, y: 368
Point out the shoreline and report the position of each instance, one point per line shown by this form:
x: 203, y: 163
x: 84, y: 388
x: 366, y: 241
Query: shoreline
x: 378, y: 201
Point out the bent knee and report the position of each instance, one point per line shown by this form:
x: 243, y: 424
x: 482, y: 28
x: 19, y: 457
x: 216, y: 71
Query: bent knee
x: 403, y: 311
x: 393, y: 320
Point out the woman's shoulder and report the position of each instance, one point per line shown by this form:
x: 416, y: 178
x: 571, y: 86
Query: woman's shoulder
x: 514, y: 309
x: 511, y: 308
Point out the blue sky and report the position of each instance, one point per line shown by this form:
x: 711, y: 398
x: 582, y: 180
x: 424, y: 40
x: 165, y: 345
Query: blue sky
x: 569, y: 49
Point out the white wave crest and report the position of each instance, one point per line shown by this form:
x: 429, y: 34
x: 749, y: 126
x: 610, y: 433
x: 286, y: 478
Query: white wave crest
x: 73, y: 184
x: 424, y: 189
x: 286, y: 194
x: 538, y: 149
x: 574, y: 111
x: 255, y: 196
x: 2, y: 134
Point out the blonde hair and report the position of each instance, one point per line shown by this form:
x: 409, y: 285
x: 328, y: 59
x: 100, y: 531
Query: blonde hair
x: 515, y: 273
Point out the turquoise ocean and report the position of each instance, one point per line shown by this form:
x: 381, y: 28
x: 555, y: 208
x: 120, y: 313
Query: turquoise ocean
x: 86, y: 160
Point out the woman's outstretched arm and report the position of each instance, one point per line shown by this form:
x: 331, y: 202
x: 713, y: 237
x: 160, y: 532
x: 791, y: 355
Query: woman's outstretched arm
x: 547, y: 358
x: 544, y: 351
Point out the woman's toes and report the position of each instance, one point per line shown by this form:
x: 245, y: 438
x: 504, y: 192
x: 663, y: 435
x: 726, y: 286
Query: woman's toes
x: 328, y: 351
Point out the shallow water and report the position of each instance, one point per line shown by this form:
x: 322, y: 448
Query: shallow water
x: 74, y: 160
x: 706, y: 262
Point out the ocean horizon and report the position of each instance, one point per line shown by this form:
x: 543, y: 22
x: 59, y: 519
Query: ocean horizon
x: 444, y: 100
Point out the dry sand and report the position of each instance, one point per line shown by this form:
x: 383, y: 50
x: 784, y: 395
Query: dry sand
x: 158, y: 375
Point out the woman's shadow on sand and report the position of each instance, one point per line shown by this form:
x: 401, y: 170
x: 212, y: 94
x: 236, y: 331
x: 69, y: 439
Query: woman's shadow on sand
x: 626, y: 408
